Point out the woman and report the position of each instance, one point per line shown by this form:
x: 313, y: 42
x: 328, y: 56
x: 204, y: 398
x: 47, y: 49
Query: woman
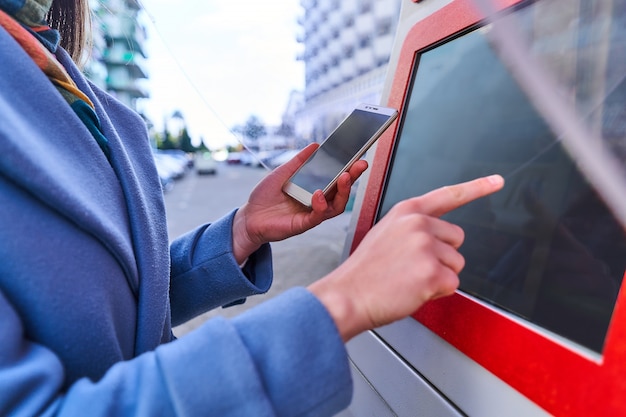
x: 89, y: 288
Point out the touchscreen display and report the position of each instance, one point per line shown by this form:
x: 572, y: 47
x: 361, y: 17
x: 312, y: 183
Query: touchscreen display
x: 338, y: 149
x: 545, y: 248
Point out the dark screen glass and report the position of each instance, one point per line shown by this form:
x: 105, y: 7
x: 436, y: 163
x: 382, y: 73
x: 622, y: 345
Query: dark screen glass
x: 338, y: 149
x: 546, y: 248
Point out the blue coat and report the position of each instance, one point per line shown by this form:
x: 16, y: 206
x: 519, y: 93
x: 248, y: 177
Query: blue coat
x: 89, y: 285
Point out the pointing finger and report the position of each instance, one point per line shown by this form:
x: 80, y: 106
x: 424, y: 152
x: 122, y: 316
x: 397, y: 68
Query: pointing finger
x: 442, y: 200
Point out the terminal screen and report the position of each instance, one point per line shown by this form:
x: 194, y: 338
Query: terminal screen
x: 546, y: 248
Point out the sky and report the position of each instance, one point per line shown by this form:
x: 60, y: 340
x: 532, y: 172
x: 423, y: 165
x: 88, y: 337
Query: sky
x: 220, y: 61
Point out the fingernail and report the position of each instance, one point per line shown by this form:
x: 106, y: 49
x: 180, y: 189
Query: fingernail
x: 495, y: 179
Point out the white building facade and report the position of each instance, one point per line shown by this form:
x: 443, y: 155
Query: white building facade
x: 347, y: 44
x: 118, y: 61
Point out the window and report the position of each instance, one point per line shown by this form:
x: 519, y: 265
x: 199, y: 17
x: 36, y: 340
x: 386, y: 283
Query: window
x: 365, y: 6
x: 384, y: 27
x: 365, y: 41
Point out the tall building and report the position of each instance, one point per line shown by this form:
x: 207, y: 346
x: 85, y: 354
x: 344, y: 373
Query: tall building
x: 118, y: 59
x: 347, y: 44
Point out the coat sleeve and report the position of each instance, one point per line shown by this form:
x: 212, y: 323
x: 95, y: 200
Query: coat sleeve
x: 205, y: 275
x: 282, y: 358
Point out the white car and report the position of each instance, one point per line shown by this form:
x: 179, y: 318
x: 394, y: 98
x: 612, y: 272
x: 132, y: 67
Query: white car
x: 205, y: 164
x: 282, y: 158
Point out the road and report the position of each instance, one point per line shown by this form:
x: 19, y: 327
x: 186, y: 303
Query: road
x: 298, y: 261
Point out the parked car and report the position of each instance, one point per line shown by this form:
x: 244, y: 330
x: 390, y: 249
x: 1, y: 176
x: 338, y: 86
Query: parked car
x: 282, y: 158
x: 235, y: 158
x: 205, y: 164
x: 170, y: 163
x: 262, y: 158
x: 182, y: 156
x: 167, y: 180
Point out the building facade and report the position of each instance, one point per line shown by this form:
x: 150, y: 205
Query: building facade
x: 347, y: 44
x: 118, y: 61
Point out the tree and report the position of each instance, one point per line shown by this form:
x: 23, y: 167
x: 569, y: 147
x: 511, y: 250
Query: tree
x: 168, y: 141
x: 185, y: 142
x: 254, y: 128
x: 202, y: 147
x: 286, y: 130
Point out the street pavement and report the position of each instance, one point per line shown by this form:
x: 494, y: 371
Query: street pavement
x: 297, y: 261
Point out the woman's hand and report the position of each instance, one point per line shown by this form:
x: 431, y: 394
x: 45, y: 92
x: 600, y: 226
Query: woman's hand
x: 409, y: 257
x: 271, y: 215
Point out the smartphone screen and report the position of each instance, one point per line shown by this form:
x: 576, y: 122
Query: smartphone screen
x: 346, y: 144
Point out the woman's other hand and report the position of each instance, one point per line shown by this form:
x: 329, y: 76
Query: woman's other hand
x: 271, y: 215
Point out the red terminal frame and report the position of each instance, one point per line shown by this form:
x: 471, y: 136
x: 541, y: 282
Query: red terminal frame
x: 549, y: 373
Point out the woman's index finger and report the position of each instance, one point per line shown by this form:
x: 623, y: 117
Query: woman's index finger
x: 442, y: 200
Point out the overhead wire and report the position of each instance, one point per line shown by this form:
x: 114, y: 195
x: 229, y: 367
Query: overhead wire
x: 194, y: 86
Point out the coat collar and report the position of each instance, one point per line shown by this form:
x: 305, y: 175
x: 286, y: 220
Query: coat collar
x: 48, y: 151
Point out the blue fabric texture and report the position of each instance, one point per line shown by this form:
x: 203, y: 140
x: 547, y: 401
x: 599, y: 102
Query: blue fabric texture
x: 89, y: 284
x: 12, y: 6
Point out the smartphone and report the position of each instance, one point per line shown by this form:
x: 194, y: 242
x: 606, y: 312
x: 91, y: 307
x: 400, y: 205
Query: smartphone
x: 345, y: 145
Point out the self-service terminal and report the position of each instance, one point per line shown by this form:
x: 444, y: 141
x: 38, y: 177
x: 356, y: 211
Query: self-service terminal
x: 538, y: 325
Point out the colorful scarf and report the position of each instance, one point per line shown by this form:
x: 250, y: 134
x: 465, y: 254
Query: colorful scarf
x: 24, y: 21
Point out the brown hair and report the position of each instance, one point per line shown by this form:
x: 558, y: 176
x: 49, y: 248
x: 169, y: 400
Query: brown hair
x: 72, y: 19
